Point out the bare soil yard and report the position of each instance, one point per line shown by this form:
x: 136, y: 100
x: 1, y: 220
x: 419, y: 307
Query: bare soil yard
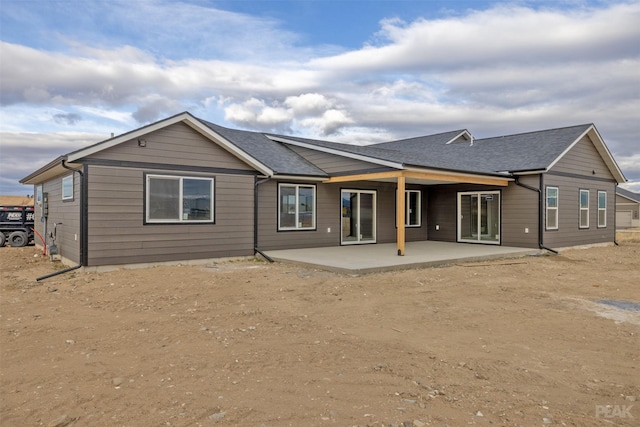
x: 522, y: 342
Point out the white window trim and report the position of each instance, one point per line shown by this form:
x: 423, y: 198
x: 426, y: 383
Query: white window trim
x: 603, y: 209
x: 38, y: 195
x: 554, y: 209
x: 181, y: 219
x: 580, y: 225
x: 66, y: 178
x: 406, y: 208
x: 297, y: 206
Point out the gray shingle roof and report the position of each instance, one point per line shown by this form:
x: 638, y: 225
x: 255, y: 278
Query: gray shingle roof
x: 520, y: 152
x: 276, y: 156
x: 628, y: 194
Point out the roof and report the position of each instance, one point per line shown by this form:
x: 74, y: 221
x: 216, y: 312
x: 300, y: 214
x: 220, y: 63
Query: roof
x: 454, y: 151
x: 628, y: 194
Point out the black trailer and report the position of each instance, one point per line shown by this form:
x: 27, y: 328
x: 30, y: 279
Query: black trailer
x: 16, y: 225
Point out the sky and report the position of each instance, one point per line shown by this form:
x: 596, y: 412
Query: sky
x: 72, y: 72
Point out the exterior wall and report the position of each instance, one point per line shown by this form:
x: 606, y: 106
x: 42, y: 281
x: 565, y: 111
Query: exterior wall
x: 174, y: 145
x: 328, y: 216
x: 118, y: 235
x: 581, y: 168
x: 518, y: 211
x: 64, y: 218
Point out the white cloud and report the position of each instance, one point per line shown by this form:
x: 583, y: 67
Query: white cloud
x: 501, y: 70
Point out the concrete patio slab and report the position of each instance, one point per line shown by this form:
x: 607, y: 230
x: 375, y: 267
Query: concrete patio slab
x: 362, y: 259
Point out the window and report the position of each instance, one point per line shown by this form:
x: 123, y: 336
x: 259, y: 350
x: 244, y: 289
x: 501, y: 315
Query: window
x: 38, y: 195
x: 179, y: 199
x: 412, y: 208
x: 552, y: 208
x: 296, y: 207
x: 584, y: 208
x: 67, y: 187
x: 602, y: 208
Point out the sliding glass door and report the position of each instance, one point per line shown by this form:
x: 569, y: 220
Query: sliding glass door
x: 479, y: 217
x: 358, y: 217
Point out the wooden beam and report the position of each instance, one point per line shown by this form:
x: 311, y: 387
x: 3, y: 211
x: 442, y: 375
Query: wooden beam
x: 427, y: 176
x: 449, y: 177
x: 400, y: 214
x: 364, y: 176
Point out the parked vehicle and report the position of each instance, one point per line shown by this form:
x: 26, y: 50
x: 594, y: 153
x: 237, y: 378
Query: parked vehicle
x: 16, y: 225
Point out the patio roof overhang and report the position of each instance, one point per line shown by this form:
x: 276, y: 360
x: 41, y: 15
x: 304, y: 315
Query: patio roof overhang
x: 424, y: 177
x: 427, y: 177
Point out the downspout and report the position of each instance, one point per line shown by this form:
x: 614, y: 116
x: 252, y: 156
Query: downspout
x: 540, y: 209
x: 83, y: 211
x: 255, y: 218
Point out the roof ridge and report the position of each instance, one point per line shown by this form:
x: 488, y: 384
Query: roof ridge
x: 535, y: 131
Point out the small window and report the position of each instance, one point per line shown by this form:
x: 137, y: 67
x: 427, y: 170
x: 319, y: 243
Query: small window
x: 552, y: 208
x: 176, y: 199
x: 584, y: 208
x: 412, y: 208
x: 602, y: 209
x: 296, y: 207
x: 67, y: 187
x: 38, y: 195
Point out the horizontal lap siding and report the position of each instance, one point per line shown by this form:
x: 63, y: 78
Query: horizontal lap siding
x: 519, y: 210
x: 176, y: 145
x: 520, y: 207
x: 569, y: 233
x: 118, y: 235
x: 328, y: 216
x: 581, y: 168
x: 64, y: 213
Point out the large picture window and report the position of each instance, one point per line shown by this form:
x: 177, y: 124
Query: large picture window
x: 552, y: 208
x: 67, y: 187
x: 584, y: 208
x: 176, y: 199
x: 296, y: 207
x: 412, y: 208
x: 602, y: 209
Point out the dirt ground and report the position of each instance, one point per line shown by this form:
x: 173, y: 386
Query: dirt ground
x: 521, y: 342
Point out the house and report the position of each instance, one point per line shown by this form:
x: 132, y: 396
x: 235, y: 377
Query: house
x: 627, y: 208
x: 187, y: 189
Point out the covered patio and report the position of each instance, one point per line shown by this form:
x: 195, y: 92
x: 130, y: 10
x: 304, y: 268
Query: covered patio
x: 374, y: 258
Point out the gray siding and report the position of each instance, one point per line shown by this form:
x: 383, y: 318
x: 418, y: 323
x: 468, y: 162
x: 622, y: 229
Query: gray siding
x: 581, y: 168
x: 583, y: 159
x: 520, y: 208
x: 569, y: 233
x: 174, y: 145
x: 118, y: 235
x: 328, y: 216
x: 333, y: 164
x: 66, y: 214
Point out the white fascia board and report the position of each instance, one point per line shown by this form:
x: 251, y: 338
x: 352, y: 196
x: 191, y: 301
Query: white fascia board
x: 465, y: 133
x: 186, y: 118
x: 338, y: 152
x: 602, y: 149
x: 112, y: 142
x: 228, y: 145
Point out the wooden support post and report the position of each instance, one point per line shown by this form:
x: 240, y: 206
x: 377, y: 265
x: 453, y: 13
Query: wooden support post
x: 400, y: 214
